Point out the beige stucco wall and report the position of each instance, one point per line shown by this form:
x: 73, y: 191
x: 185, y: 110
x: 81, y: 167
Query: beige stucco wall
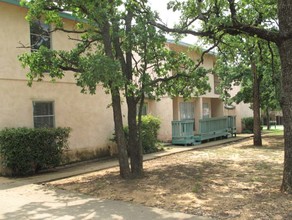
x: 15, y: 35
x: 208, y: 63
x: 164, y: 111
x: 88, y: 116
x: 242, y: 110
x: 217, y: 107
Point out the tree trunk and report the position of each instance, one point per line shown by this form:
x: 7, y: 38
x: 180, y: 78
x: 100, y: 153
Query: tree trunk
x: 134, y: 147
x: 268, y: 119
x: 257, y: 138
x: 120, y: 135
x: 285, y: 49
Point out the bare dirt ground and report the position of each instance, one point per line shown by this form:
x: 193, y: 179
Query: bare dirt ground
x: 235, y: 181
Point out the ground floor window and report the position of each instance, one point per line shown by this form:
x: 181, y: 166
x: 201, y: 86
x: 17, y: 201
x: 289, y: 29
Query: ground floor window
x: 187, y: 110
x: 43, y: 114
x: 206, y: 110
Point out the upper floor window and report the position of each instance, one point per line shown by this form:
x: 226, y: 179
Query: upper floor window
x: 43, y: 114
x: 216, y: 84
x: 39, y: 35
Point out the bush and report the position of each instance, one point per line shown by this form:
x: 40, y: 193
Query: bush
x: 149, y: 129
x: 27, y: 150
x: 247, y: 125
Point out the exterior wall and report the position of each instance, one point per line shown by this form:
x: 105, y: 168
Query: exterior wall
x: 164, y: 111
x: 88, y: 116
x: 217, y: 107
x: 241, y: 110
x: 209, y: 61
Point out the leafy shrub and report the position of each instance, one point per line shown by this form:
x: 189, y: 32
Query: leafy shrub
x: 27, y: 150
x: 247, y: 125
x: 149, y: 130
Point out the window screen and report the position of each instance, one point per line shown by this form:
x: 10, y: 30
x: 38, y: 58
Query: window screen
x: 43, y: 114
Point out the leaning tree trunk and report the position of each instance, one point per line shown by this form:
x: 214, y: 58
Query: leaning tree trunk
x: 257, y: 138
x: 120, y: 135
x: 285, y: 48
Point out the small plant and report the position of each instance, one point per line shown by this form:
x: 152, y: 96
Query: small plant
x: 27, y: 150
x: 197, y: 187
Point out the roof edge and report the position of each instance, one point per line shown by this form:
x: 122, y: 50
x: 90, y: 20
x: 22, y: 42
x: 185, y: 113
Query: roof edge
x: 62, y: 14
x: 12, y: 2
x: 184, y: 44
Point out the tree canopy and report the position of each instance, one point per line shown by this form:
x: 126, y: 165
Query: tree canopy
x: 269, y: 20
x: 118, y: 48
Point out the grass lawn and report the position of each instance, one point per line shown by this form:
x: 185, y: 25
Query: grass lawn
x: 234, y: 181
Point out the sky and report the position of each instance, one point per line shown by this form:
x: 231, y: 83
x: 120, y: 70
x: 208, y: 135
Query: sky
x: 169, y: 18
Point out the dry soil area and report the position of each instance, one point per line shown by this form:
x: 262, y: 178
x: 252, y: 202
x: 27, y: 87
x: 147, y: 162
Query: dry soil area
x: 235, y: 181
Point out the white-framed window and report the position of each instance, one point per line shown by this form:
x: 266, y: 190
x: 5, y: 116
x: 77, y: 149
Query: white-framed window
x: 187, y: 110
x: 206, y: 110
x: 39, y: 35
x: 43, y: 114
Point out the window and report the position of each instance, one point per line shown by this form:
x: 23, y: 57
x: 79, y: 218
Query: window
x: 206, y: 110
x: 43, y: 114
x: 216, y: 84
x: 187, y: 110
x: 39, y: 35
x: 144, y: 109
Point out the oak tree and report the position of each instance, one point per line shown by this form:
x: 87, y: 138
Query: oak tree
x: 269, y: 20
x: 118, y: 48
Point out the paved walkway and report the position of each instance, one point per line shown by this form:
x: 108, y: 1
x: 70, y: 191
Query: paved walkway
x: 26, y: 198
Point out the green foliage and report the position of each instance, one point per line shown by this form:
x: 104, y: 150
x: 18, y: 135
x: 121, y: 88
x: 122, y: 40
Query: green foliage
x: 102, y: 57
x: 247, y: 125
x: 117, y: 47
x: 26, y: 150
x: 234, y: 68
x: 149, y: 129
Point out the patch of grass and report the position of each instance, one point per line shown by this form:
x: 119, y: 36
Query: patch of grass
x: 274, y: 131
x: 255, y: 179
x: 197, y: 188
x: 262, y: 166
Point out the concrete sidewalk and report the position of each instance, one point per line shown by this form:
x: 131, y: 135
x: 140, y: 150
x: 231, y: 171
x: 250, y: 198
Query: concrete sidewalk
x: 39, y: 202
x: 25, y: 198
